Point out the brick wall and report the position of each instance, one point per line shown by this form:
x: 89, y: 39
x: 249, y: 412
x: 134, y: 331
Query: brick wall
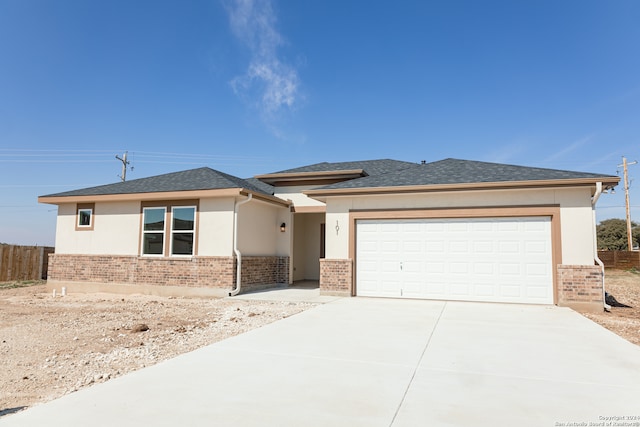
x: 580, y: 285
x: 336, y: 276
x: 258, y: 271
x: 216, y: 272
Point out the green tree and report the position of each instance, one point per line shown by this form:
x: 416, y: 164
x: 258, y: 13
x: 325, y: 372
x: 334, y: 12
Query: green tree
x: 612, y: 234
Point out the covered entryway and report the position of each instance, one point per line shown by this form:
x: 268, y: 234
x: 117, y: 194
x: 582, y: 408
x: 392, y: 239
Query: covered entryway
x: 308, y: 246
x: 467, y: 259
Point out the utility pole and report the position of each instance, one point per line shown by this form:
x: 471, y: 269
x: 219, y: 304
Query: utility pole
x: 626, y: 198
x: 125, y: 163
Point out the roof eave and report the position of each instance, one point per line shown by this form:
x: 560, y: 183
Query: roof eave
x: 293, y: 178
x: 607, y: 182
x: 163, y: 195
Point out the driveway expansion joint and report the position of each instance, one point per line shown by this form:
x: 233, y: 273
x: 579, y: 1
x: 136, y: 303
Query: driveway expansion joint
x: 415, y: 368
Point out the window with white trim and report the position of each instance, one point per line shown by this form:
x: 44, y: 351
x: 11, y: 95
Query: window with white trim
x: 169, y: 230
x: 183, y: 227
x: 85, y: 213
x: 153, y: 230
x: 84, y: 217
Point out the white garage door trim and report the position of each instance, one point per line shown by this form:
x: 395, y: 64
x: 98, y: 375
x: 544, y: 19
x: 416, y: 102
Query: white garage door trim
x: 503, y: 259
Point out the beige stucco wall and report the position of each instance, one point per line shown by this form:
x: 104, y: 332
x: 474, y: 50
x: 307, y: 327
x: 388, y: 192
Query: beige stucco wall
x: 115, y: 230
x: 295, y: 195
x: 215, y: 227
x: 575, y: 212
x: 259, y: 229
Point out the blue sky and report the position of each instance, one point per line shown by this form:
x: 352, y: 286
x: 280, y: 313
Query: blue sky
x: 251, y: 87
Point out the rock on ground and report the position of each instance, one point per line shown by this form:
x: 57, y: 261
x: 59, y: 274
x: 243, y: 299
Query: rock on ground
x: 51, y: 346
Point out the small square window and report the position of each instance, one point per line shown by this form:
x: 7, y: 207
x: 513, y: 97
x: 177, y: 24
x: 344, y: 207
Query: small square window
x: 84, y: 217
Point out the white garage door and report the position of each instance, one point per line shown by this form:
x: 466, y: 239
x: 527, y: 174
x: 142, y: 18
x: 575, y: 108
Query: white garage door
x: 478, y: 259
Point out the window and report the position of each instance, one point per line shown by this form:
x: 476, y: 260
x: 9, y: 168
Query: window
x: 153, y: 231
x: 182, y: 230
x: 84, y: 216
x: 168, y: 230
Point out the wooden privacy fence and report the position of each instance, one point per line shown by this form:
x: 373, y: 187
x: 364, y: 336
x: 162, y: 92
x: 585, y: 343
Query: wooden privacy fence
x: 24, y: 262
x: 623, y: 260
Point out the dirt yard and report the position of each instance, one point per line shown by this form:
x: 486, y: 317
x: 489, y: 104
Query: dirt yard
x: 50, y: 346
x: 624, y: 286
x: 53, y: 346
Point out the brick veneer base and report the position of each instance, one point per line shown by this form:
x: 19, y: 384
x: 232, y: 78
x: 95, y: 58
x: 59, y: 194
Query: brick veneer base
x: 201, y: 272
x: 580, y: 286
x: 336, y: 276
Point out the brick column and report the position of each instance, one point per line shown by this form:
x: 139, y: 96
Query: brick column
x: 580, y: 287
x: 336, y: 277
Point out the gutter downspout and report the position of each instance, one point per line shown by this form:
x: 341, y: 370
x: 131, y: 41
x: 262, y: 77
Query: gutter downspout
x: 594, y: 200
x: 236, y: 209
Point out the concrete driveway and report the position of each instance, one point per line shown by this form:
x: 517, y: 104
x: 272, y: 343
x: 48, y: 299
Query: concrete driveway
x: 379, y: 362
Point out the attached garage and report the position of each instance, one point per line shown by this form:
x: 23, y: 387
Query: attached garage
x: 466, y: 231
x: 467, y: 259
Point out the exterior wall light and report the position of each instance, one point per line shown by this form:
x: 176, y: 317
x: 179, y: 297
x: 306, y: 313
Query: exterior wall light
x: 283, y: 227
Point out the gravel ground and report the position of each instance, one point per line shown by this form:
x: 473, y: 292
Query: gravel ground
x: 624, y: 286
x: 50, y: 346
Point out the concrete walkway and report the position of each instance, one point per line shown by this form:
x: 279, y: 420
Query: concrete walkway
x: 378, y: 362
x: 307, y: 291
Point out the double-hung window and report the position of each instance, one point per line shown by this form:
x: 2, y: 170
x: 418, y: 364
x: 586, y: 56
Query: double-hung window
x: 168, y: 230
x: 153, y: 229
x: 182, y: 230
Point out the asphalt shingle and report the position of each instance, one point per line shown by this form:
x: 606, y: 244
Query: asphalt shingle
x: 456, y: 171
x: 371, y: 167
x: 194, y: 179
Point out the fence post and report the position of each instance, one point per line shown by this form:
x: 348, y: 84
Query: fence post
x: 40, y: 262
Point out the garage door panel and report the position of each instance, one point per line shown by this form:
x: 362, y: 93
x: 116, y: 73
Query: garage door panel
x: 484, y: 290
x: 459, y: 268
x: 511, y: 290
x: 459, y: 247
x: 457, y: 227
x: 509, y: 269
x: 459, y: 289
x: 434, y: 246
x: 536, y: 270
x: 483, y: 247
x: 484, y: 268
x: 535, y: 247
x: 434, y: 268
x: 389, y: 267
x: 507, y: 226
x: 509, y: 247
x: 482, y: 226
x: 488, y: 259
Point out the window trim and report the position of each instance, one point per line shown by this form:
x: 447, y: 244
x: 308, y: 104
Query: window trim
x: 164, y: 232
x: 193, y: 231
x: 168, y: 205
x: 85, y: 207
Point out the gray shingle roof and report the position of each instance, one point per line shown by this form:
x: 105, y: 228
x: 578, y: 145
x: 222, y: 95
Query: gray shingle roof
x: 371, y: 167
x: 455, y: 171
x: 266, y: 188
x: 194, y: 179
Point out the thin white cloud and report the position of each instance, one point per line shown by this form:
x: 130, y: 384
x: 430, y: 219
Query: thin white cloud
x: 508, y: 153
x: 268, y: 82
x: 574, y: 146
